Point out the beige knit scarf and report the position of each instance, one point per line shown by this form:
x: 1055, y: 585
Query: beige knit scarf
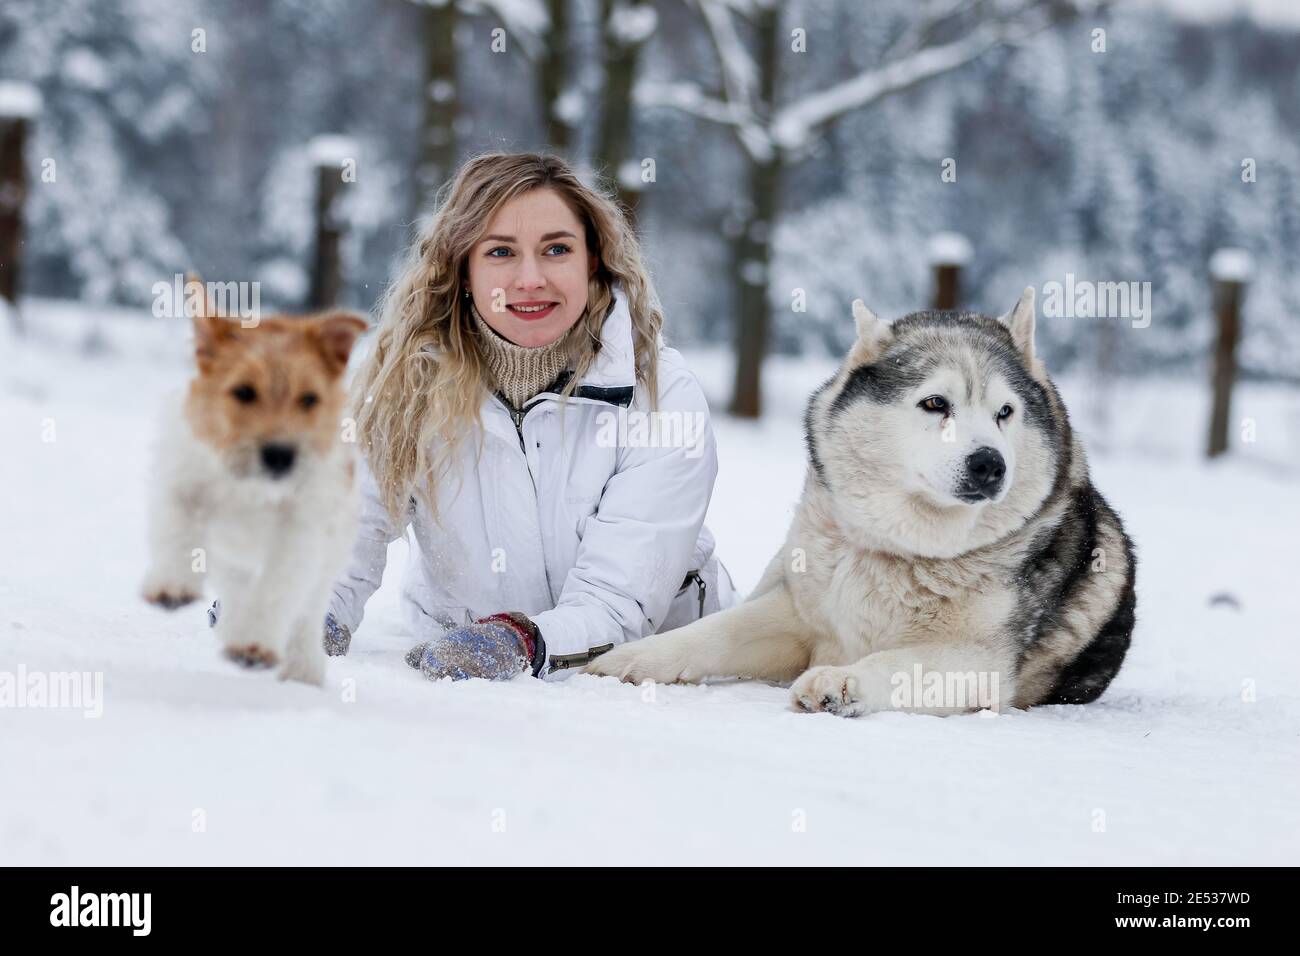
x: 518, y: 372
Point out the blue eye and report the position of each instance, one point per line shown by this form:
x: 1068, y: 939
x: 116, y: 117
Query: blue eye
x: 1004, y: 412
x: 492, y: 253
x: 559, y: 245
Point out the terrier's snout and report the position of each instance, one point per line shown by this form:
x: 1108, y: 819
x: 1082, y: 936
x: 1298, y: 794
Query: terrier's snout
x: 278, y: 459
x: 986, y: 468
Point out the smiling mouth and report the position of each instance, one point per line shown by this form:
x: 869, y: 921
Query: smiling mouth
x: 531, y: 311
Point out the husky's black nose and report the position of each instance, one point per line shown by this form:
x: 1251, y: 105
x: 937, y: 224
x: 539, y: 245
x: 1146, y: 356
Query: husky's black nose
x: 986, y: 468
x: 277, y: 459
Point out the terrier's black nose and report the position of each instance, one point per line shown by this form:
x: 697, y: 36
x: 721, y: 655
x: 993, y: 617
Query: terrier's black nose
x: 986, y: 468
x: 277, y: 459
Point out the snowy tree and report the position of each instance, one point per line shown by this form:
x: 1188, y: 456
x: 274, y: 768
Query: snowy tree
x: 939, y: 39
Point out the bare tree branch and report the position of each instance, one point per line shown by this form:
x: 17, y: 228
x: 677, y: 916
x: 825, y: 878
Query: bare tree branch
x: 913, y: 59
x: 792, y: 124
x: 688, y: 98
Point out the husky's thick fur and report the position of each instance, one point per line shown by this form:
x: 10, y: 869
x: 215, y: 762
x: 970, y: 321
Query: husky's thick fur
x: 949, y: 551
x: 255, y: 489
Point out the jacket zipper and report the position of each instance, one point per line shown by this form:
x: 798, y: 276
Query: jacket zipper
x: 517, y: 416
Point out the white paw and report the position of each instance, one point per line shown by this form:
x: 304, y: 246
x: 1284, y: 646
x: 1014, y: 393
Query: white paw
x: 252, y: 655
x: 304, y: 660
x: 639, y: 661
x: 309, y: 669
x: 171, y: 590
x: 830, y: 689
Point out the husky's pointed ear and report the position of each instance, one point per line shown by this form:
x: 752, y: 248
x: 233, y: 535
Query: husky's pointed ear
x: 1020, y: 321
x: 873, y: 334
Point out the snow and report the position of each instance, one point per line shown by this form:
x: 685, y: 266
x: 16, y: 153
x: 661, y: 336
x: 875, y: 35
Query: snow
x: 1278, y: 13
x: 629, y: 175
x: 949, y: 249
x: 631, y: 25
x: 85, y: 68
x: 331, y: 149
x: 523, y: 16
x: 1231, y: 265
x: 196, y: 762
x: 571, y: 106
x: 19, y: 100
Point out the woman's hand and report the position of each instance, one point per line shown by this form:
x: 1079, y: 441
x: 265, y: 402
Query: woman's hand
x: 496, y: 648
x: 337, y: 637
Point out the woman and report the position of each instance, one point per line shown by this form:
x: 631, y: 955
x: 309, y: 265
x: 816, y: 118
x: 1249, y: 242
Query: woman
x: 520, y: 413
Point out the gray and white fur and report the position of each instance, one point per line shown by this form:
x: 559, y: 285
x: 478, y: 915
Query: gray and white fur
x: 947, y: 531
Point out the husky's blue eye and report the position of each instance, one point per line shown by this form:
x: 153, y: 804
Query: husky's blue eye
x: 1004, y: 412
x: 244, y: 394
x: 935, y: 403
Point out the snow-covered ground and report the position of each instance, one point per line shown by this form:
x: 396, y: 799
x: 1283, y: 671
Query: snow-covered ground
x: 1192, y: 756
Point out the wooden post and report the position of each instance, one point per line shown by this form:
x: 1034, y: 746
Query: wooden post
x: 1230, y: 271
x: 331, y: 156
x: 19, y: 105
x: 949, y: 252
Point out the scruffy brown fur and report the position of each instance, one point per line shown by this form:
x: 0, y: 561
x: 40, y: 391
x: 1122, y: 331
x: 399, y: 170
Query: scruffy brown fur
x: 255, y: 485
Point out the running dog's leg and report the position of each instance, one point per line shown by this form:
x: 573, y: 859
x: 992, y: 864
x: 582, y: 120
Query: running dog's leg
x: 930, y: 678
x: 762, y: 638
x: 256, y: 626
x: 177, y: 528
x: 304, y: 658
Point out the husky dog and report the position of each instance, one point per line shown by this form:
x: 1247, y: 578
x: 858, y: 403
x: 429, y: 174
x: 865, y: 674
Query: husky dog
x: 255, y: 487
x: 949, y: 551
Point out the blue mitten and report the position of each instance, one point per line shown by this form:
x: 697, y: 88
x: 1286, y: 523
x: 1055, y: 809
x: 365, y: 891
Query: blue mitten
x: 337, y: 637
x: 496, y: 648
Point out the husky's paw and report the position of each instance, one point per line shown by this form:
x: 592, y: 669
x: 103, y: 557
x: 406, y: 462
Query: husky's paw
x: 169, y: 592
x: 640, y: 661
x: 830, y: 689
x: 252, y: 656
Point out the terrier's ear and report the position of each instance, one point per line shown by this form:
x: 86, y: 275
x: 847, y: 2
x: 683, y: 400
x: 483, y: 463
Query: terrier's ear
x: 211, y: 331
x: 1020, y: 321
x: 873, y: 335
x: 336, y: 333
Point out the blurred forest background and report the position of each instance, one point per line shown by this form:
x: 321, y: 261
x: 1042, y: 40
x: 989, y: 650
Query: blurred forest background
x: 793, y: 149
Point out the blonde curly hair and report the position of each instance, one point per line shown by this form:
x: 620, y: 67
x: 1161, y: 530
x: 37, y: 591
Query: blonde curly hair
x: 419, y: 391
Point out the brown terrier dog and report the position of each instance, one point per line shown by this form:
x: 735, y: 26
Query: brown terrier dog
x: 255, y: 487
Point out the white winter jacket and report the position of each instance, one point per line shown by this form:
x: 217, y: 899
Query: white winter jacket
x: 592, y: 525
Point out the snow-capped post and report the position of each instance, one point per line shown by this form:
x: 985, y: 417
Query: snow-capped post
x: 1230, y: 271
x: 949, y: 252
x: 19, y: 105
x: 331, y: 158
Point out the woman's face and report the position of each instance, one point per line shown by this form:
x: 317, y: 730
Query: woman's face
x: 528, y: 274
